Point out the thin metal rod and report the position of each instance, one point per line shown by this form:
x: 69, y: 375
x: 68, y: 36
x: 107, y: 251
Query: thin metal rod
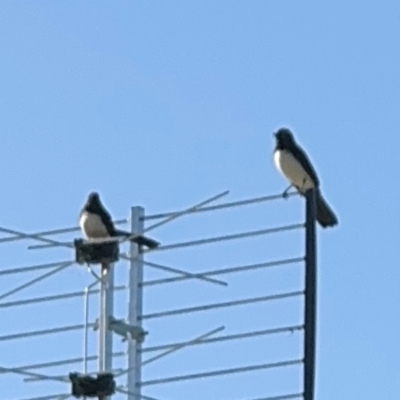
x: 36, y: 379
x: 189, y: 210
x: 225, y: 205
x: 177, y: 348
x: 175, y: 270
x: 180, y: 346
x: 140, y: 396
x: 54, y: 232
x: 310, y: 296
x: 135, y: 305
x: 237, y: 336
x: 93, y: 372
x: 22, y: 235
x: 173, y: 217
x: 60, y: 396
x: 34, y: 374
x: 95, y: 276
x: 33, y: 281
x: 64, y: 244
x: 86, y: 337
x: 223, y: 271
x: 34, y: 300
x: 63, y: 396
x: 283, y: 397
x: 86, y: 334
x: 71, y: 244
x: 208, y: 307
x: 31, y: 268
x: 50, y: 331
x: 185, y: 275
x: 62, y: 362
x: 106, y: 311
x: 226, y: 237
x: 210, y: 374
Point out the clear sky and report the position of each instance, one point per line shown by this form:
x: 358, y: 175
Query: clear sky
x: 164, y: 104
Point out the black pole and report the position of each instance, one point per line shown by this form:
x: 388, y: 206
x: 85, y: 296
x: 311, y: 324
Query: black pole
x: 310, y: 296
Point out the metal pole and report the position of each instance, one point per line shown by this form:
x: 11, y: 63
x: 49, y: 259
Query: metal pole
x: 310, y: 296
x: 86, y: 337
x: 135, y: 304
x: 106, y: 310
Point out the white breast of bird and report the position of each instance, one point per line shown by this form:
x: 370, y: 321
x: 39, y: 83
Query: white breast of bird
x: 292, y: 170
x: 92, y: 226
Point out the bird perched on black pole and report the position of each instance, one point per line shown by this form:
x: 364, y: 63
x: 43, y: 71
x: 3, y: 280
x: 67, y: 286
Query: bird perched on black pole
x: 292, y: 161
x: 96, y: 222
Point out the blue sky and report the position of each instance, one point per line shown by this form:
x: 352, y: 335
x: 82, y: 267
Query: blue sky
x: 163, y: 104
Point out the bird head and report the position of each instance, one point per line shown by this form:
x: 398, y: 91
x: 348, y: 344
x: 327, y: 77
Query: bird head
x: 94, y: 196
x: 93, y: 199
x: 284, y: 136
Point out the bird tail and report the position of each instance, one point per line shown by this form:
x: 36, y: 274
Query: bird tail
x: 122, y: 233
x: 325, y: 215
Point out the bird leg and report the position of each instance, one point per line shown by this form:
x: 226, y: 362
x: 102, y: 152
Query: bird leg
x: 285, y: 193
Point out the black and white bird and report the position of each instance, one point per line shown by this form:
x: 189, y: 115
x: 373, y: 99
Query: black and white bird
x: 291, y: 160
x: 95, y: 221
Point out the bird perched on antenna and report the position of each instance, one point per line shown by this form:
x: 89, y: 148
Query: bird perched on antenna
x: 291, y: 160
x: 96, y: 222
